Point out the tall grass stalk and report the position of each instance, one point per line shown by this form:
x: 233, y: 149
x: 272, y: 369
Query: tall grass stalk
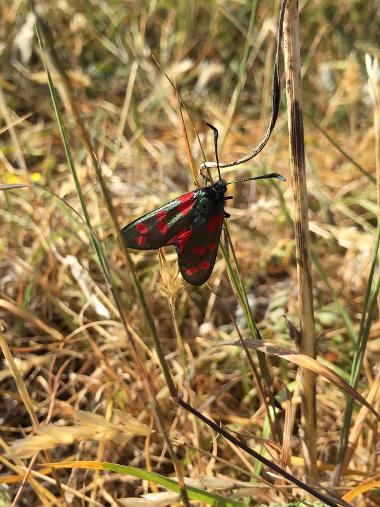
x: 301, y: 223
x: 371, y: 294
x: 370, y: 301
x: 373, y: 71
x: 237, y: 285
x: 44, y: 32
x: 138, y: 287
x: 236, y: 279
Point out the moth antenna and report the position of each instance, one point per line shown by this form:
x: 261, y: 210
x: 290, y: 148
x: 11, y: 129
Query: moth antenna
x: 264, y: 176
x: 216, y: 135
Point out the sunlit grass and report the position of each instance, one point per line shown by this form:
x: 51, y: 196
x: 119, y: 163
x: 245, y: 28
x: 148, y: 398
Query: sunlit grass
x: 59, y: 277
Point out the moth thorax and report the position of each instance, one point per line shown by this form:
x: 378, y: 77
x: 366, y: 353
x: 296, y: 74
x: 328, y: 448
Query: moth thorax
x: 220, y: 187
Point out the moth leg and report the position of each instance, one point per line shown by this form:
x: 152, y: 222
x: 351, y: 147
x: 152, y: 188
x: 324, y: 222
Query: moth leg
x: 227, y: 215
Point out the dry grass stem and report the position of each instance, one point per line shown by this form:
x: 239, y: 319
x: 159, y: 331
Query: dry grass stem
x: 301, y: 223
x: 97, y: 340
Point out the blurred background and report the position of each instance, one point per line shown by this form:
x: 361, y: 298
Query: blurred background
x: 60, y: 320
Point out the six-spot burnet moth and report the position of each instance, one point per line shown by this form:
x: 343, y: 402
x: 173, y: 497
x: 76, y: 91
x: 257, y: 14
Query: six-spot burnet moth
x: 192, y: 223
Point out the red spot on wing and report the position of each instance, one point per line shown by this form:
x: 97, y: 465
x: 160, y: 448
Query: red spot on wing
x: 215, y: 222
x: 187, y: 202
x: 191, y: 271
x: 199, y: 250
x: 161, y: 214
x: 212, y: 246
x: 204, y: 265
x: 186, y: 197
x: 162, y: 227
x: 141, y: 227
x: 182, y: 239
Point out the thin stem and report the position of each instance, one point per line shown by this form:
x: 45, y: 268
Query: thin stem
x: 365, y: 326
x: 180, y: 341
x: 238, y: 285
x: 44, y: 31
x: 276, y: 468
x: 276, y: 95
x: 301, y: 223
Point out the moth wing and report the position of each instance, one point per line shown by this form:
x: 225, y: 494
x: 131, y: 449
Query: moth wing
x: 197, y: 249
x: 156, y: 228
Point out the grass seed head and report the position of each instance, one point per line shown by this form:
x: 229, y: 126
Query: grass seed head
x: 171, y: 283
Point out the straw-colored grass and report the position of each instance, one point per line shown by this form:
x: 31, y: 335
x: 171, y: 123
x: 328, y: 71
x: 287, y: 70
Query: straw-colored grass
x: 97, y: 340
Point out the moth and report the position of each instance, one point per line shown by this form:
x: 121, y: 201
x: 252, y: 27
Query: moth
x: 192, y: 223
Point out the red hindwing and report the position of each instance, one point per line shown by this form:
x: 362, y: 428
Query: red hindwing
x: 197, y: 250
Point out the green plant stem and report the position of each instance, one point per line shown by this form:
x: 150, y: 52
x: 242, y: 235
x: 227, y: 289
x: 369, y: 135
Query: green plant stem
x: 42, y: 27
x: 369, y: 305
x: 238, y: 286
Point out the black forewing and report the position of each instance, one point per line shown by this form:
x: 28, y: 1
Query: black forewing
x: 197, y: 250
x: 156, y: 228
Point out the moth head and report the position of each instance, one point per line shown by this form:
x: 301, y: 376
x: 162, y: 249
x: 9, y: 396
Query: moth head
x: 220, y: 187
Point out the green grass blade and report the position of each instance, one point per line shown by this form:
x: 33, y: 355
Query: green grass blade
x: 370, y: 301
x: 194, y: 493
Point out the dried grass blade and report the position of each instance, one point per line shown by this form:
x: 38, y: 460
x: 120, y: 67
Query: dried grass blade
x: 21, y: 387
x: 307, y: 362
x: 367, y: 485
x: 31, y: 319
x: 292, y: 60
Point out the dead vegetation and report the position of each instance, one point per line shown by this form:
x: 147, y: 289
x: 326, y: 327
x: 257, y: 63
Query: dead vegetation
x: 71, y: 388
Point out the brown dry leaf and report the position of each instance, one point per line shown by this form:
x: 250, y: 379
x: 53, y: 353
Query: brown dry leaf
x: 306, y: 362
x: 215, y: 483
x: 287, y: 434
